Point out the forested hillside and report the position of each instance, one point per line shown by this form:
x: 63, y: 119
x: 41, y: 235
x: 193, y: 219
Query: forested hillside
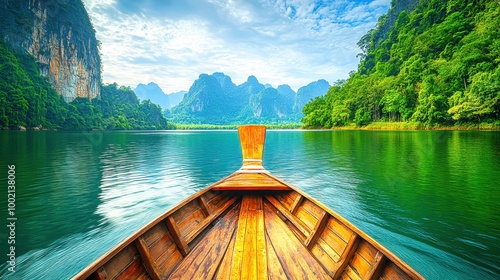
x: 437, y: 64
x: 28, y: 100
x: 215, y: 99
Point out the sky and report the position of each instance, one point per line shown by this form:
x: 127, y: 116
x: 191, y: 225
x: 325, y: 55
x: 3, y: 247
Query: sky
x: 172, y: 42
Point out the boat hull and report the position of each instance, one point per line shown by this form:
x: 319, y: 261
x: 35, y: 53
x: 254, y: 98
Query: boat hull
x: 250, y: 233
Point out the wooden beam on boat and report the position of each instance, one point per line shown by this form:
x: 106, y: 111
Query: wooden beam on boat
x: 289, y: 216
x: 203, y: 205
x: 296, y: 260
x: 314, y: 235
x: 376, y: 266
x: 205, y: 258
x: 176, y: 236
x: 201, y: 226
x: 149, y: 263
x: 296, y: 203
x: 347, y: 255
x: 252, y: 138
x: 250, y: 182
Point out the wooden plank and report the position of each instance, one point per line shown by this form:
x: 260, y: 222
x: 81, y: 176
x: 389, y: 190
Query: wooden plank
x: 324, y: 258
x: 216, y: 202
x: 204, y: 259
x: 296, y: 260
x: 154, y: 234
x: 185, y: 212
x: 122, y: 260
x: 359, y: 264
x: 306, y: 218
x: 170, y: 260
x: 298, y: 200
x: 376, y: 267
x: 191, y: 223
x: 176, y: 236
x: 287, y: 198
x: 318, y: 229
x: 208, y: 196
x: 274, y: 268
x: 148, y: 261
x: 347, y: 255
x: 224, y: 271
x: 392, y: 271
x: 252, y: 138
x: 261, y: 245
x: 251, y: 185
x: 249, y: 260
x: 350, y: 273
x: 161, y: 246
x: 332, y: 243
x: 340, y: 229
x: 250, y: 181
x: 239, y: 247
x: 249, y: 253
x: 313, y: 209
x: 133, y: 271
x: 100, y: 274
x: 297, y: 223
x: 204, y: 206
x: 203, y: 224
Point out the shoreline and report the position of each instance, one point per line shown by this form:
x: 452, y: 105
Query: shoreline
x: 388, y: 126
x: 400, y: 126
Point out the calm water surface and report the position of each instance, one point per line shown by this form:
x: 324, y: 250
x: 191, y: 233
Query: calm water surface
x: 432, y: 197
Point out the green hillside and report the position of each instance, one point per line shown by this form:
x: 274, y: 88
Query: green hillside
x: 28, y: 100
x: 438, y: 64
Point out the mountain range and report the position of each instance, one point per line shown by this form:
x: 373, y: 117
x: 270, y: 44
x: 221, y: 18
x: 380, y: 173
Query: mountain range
x: 156, y: 95
x: 215, y: 99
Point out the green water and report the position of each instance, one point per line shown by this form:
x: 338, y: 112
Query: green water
x: 431, y: 197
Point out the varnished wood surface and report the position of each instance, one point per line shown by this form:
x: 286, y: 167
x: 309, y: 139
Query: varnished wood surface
x: 250, y: 235
x: 249, y: 225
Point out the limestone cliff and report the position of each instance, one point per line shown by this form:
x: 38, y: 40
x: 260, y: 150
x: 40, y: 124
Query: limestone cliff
x: 58, y: 33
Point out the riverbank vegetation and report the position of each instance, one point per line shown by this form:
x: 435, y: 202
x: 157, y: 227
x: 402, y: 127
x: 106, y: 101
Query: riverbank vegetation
x: 28, y: 100
x: 438, y: 65
x: 233, y: 126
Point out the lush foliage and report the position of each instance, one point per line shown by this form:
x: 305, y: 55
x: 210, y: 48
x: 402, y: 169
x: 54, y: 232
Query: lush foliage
x: 28, y: 100
x: 233, y: 126
x: 438, y: 64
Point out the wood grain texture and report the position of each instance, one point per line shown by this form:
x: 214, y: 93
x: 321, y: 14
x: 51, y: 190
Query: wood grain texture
x: 252, y: 138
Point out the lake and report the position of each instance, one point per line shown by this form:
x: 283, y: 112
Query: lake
x: 431, y: 197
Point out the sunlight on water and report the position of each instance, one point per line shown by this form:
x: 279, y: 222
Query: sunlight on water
x: 430, y: 197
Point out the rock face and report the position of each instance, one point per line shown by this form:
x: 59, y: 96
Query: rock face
x: 306, y: 93
x: 58, y: 33
x: 215, y: 99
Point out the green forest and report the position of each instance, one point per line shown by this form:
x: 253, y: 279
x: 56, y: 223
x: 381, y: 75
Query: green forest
x: 438, y: 64
x: 28, y: 100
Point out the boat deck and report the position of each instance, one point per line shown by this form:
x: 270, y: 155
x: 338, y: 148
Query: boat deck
x: 250, y: 241
x: 249, y: 225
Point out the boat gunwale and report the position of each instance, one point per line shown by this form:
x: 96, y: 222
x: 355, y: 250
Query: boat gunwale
x: 95, y: 265
x: 113, y: 251
x: 387, y: 253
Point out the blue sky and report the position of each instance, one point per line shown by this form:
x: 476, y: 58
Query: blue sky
x: 171, y: 42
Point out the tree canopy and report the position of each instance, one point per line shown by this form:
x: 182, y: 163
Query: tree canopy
x: 437, y: 64
x: 28, y: 100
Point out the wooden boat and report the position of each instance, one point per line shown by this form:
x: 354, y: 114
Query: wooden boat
x: 249, y: 225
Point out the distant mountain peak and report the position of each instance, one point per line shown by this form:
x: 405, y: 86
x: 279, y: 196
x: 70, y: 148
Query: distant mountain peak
x: 215, y: 99
x: 252, y: 80
x: 154, y: 93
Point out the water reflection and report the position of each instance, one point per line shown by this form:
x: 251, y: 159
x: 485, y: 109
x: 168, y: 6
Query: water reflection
x: 431, y: 197
x: 428, y: 191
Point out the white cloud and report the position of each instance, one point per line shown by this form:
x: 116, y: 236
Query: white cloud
x: 280, y: 42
